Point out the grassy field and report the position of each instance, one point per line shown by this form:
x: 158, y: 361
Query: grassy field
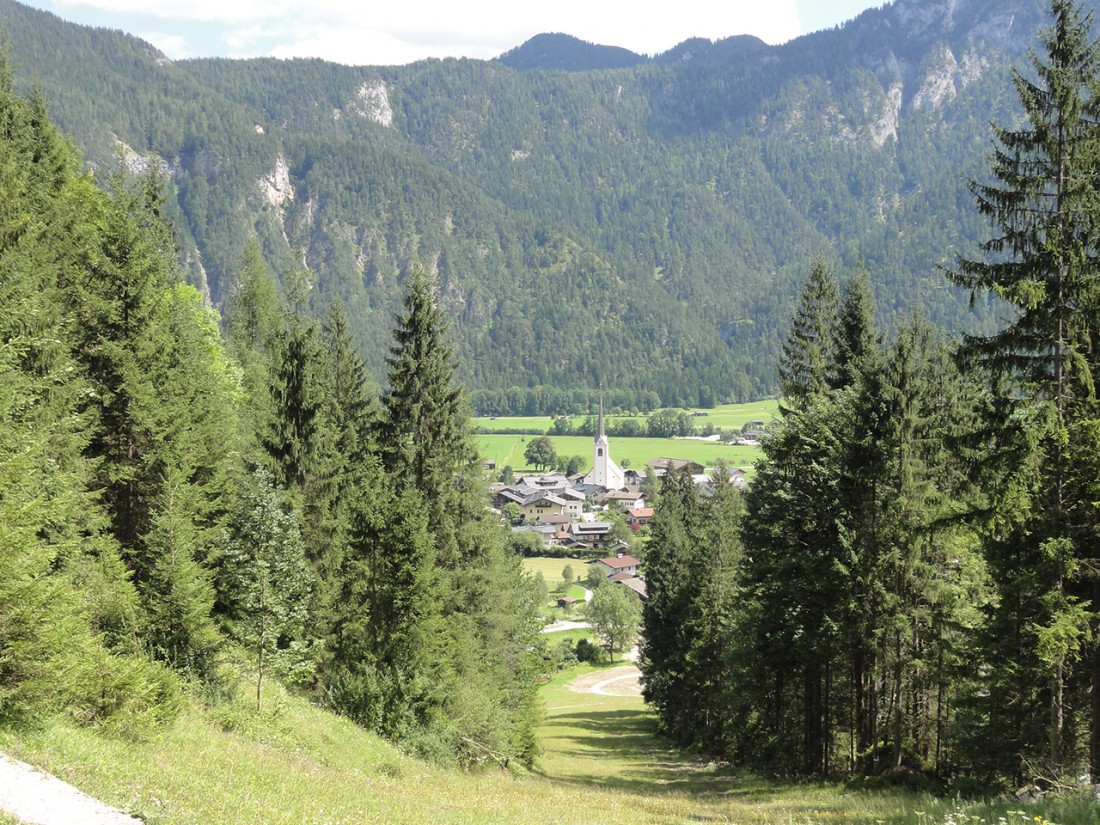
x: 551, y: 568
x: 602, y: 764
x: 508, y: 449
x: 726, y: 416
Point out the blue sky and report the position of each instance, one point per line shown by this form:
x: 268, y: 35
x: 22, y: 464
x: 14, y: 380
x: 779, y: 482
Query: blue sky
x: 389, y: 33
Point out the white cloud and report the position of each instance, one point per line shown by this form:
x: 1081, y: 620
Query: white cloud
x: 350, y: 31
x: 171, y: 44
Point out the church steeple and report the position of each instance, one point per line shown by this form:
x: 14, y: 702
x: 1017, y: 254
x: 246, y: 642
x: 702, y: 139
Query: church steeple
x: 604, y: 472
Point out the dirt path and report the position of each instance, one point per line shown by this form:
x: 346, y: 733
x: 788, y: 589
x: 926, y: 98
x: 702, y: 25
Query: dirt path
x: 617, y: 681
x: 37, y: 798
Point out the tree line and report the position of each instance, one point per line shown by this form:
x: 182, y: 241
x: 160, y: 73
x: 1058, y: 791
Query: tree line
x: 910, y: 585
x: 177, y: 487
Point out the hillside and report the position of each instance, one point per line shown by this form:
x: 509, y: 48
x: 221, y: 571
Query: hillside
x: 643, y: 228
x: 601, y: 764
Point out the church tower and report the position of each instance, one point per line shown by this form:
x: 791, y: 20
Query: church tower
x: 605, y: 472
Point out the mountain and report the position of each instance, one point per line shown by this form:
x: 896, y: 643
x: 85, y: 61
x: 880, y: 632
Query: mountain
x: 642, y: 228
x: 571, y: 54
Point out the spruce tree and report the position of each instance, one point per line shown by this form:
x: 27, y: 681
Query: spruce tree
x: 671, y: 582
x: 808, y: 351
x: 1044, y: 261
x: 424, y: 433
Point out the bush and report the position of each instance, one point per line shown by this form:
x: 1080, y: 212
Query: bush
x: 588, y: 652
x: 565, y: 654
x: 126, y: 696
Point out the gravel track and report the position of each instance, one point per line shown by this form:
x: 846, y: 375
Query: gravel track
x: 36, y: 798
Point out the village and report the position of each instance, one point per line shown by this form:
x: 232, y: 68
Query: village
x: 576, y: 516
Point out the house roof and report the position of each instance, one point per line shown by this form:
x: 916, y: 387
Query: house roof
x: 546, y: 481
x: 641, y: 512
x: 623, y: 576
x: 637, y: 584
x: 619, y: 562
x: 593, y: 528
x: 550, y: 497
x: 665, y: 463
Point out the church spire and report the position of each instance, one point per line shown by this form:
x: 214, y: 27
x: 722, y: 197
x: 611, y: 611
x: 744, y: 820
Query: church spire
x: 599, y: 428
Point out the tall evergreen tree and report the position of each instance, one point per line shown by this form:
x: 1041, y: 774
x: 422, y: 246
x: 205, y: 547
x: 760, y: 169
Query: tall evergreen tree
x: 671, y: 583
x: 1044, y: 261
x: 424, y: 432
x: 808, y: 351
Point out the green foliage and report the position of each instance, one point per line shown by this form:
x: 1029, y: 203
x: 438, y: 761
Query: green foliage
x: 266, y: 582
x: 587, y: 651
x: 67, y: 606
x: 615, y: 614
x: 1043, y: 260
x: 540, y: 453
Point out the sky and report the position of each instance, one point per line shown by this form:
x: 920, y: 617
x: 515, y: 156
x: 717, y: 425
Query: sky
x: 395, y: 32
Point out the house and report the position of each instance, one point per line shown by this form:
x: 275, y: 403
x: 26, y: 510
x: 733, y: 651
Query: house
x: 622, y: 499
x: 664, y: 465
x: 639, y: 516
x: 542, y: 504
x: 549, y: 481
x: 619, y: 564
x: 705, y: 483
x: 590, y: 532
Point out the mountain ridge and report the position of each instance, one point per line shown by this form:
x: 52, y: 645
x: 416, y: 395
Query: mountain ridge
x: 642, y: 227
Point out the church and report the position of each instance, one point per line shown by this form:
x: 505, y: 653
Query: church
x: 605, y: 472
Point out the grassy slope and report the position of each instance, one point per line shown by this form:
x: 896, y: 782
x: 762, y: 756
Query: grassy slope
x: 299, y: 764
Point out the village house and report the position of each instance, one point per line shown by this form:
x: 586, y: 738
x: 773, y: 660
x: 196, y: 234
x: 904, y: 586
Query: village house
x: 662, y: 466
x: 619, y: 564
x: 622, y: 569
x: 590, y: 532
x: 622, y: 499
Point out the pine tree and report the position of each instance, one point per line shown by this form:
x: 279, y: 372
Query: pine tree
x: 67, y: 606
x: 671, y: 582
x: 1044, y: 261
x: 424, y: 434
x: 807, y: 361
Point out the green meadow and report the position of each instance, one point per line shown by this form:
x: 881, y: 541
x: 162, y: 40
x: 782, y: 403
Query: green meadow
x: 635, y: 452
x: 508, y: 449
x: 726, y: 416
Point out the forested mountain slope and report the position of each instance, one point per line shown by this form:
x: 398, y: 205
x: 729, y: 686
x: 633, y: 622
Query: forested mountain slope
x: 642, y: 228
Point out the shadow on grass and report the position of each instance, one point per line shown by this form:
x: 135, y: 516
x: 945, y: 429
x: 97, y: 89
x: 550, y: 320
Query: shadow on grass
x: 649, y: 763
